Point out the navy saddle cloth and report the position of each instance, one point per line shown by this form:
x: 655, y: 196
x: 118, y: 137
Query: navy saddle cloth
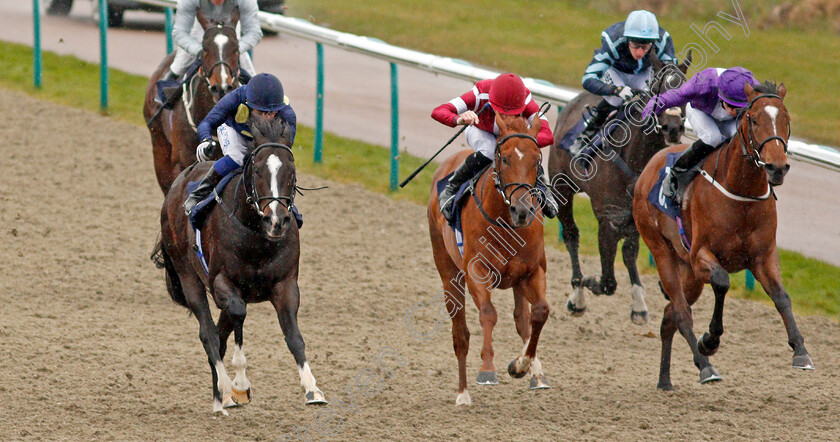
x: 199, y: 213
x: 655, y: 197
x: 570, y: 136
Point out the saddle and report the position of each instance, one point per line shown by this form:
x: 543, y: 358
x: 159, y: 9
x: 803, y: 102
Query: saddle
x: 667, y: 205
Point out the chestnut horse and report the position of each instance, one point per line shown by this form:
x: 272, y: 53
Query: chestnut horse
x: 609, y: 182
x: 173, y: 132
x: 252, y: 253
x: 503, y: 247
x: 730, y: 219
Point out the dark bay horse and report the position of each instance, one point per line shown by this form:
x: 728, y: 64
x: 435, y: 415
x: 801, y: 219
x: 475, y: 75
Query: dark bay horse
x: 730, y: 218
x: 252, y: 252
x: 173, y: 132
x: 503, y: 248
x: 608, y: 179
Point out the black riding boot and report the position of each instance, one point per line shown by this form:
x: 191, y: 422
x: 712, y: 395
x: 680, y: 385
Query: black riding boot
x: 672, y: 184
x: 550, y: 207
x: 599, y: 117
x: 471, y: 166
x: 205, y: 186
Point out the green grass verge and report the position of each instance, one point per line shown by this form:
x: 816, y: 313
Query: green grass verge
x: 70, y: 81
x: 554, y: 40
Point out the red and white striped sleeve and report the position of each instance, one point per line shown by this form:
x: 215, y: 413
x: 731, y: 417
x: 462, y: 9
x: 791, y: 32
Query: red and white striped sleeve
x: 447, y: 113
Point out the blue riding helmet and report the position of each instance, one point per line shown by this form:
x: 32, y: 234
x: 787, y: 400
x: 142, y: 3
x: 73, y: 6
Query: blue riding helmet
x: 265, y: 93
x: 641, y: 25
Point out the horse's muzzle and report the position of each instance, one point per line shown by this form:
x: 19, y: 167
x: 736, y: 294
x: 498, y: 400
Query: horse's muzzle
x: 275, y: 224
x: 775, y: 173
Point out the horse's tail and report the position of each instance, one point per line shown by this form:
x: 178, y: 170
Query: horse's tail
x: 173, y: 282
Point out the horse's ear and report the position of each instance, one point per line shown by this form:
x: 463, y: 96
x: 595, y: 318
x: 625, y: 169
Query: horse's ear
x: 536, y: 126
x: 751, y: 93
x: 654, y: 60
x: 782, y: 90
x: 234, y: 17
x: 202, y: 20
x: 503, y: 127
x: 686, y: 63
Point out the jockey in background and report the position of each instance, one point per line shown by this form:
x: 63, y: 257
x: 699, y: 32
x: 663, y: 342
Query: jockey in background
x: 262, y: 97
x: 714, y: 97
x: 187, y: 32
x: 506, y: 95
x: 620, y: 70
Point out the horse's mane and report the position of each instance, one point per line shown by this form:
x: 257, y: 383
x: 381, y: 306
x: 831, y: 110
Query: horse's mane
x: 272, y: 130
x: 767, y: 87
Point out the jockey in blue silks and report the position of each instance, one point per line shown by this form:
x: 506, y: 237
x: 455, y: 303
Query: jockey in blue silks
x: 619, y: 69
x: 714, y: 97
x: 264, y: 98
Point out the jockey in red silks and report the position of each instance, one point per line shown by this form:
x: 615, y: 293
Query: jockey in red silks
x: 714, y: 97
x: 506, y: 95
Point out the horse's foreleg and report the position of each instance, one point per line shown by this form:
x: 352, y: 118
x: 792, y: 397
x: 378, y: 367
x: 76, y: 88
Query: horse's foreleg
x: 232, y: 318
x: 768, y: 273
x: 706, y: 267
x: 607, y: 246
x: 692, y: 287
x: 576, y: 304
x: 286, y: 300
x: 532, y: 289
x: 487, y: 317
x: 629, y: 253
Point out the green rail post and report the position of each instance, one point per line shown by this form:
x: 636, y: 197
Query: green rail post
x: 168, y: 30
x: 103, y: 55
x: 395, y: 128
x: 319, y: 106
x: 651, y: 261
x: 560, y: 232
x: 36, y: 46
x: 749, y: 280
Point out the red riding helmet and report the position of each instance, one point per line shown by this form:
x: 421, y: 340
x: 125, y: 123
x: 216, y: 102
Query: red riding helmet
x: 508, y: 94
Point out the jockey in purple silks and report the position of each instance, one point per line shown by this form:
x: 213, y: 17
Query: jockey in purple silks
x: 714, y: 97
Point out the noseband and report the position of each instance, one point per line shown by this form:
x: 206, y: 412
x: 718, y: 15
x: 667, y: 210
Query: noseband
x: 498, y: 180
x: 248, y: 173
x: 754, y: 145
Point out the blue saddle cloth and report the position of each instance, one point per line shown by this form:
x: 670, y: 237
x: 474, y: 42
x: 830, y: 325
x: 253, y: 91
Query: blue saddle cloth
x: 667, y: 205
x: 461, y: 197
x: 573, y: 133
x: 199, y: 213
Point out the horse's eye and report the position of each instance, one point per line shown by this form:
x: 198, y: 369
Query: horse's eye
x: 504, y: 161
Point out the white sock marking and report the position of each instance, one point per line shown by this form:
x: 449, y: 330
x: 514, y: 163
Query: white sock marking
x: 307, y: 381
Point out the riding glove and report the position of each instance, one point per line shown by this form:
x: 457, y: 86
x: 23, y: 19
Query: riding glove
x: 205, y: 150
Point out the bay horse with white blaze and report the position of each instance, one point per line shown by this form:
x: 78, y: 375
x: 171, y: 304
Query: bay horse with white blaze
x: 252, y: 252
x: 173, y: 132
x: 503, y: 247
x: 729, y: 219
x: 609, y: 180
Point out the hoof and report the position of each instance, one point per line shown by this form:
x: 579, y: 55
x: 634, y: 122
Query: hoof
x: 512, y: 370
x: 240, y: 397
x: 315, y: 398
x: 665, y: 386
x: 593, y: 284
x: 463, y: 398
x: 539, y: 382
x: 709, y: 374
x: 639, y: 318
x: 803, y: 362
x: 574, y: 311
x: 707, y: 345
x: 229, y: 402
x: 487, y: 378
x: 219, y: 407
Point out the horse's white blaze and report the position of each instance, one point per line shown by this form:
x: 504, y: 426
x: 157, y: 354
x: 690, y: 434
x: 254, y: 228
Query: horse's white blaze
x: 307, y: 381
x: 773, y: 112
x: 221, y: 41
x: 274, y: 165
x: 240, y: 382
x: 518, y: 152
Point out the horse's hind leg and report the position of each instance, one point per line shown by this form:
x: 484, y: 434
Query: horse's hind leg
x: 692, y: 288
x: 706, y: 267
x: 629, y: 253
x: 768, y: 274
x: 576, y: 304
x: 532, y: 289
x: 522, y: 317
x: 286, y: 300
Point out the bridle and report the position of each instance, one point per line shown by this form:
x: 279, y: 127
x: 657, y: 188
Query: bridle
x: 248, y: 173
x: 754, y: 145
x: 221, y: 62
x: 498, y: 179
